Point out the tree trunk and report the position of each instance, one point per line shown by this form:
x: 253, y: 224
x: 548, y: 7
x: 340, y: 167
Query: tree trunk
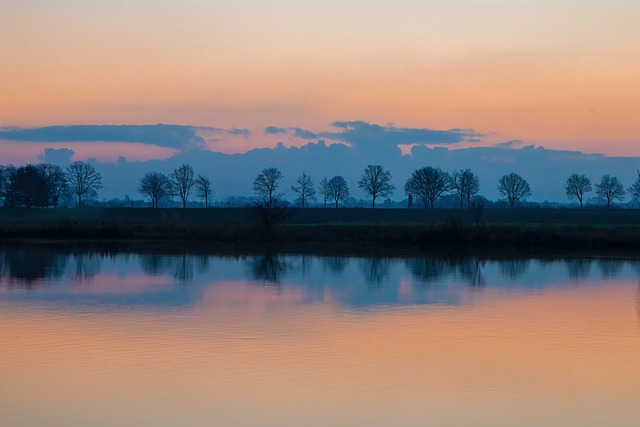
x: 373, y: 203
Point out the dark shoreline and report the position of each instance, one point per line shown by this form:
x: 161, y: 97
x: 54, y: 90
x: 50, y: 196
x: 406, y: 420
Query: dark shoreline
x: 384, y: 232
x: 449, y: 239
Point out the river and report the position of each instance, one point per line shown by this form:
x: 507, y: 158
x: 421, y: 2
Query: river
x: 100, y: 338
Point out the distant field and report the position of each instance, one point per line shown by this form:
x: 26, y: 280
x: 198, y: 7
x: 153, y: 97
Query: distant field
x: 331, y: 216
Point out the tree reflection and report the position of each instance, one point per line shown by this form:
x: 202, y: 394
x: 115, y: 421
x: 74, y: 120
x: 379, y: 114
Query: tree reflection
x: 335, y: 264
x: 471, y: 271
x: 268, y: 267
x: 87, y: 265
x: 183, y: 267
x: 578, y: 268
x: 30, y: 266
x: 513, y: 268
x: 610, y: 268
x: 154, y: 264
x: 375, y: 270
x: 306, y: 262
x: 427, y: 270
x: 180, y: 266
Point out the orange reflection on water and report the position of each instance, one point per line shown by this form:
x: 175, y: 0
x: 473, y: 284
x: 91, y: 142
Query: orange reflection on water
x: 251, y: 355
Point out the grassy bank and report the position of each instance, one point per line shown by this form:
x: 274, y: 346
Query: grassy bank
x: 330, y: 216
x: 526, y: 231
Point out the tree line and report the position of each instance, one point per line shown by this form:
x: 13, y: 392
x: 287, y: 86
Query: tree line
x: 430, y: 183
x: 44, y: 185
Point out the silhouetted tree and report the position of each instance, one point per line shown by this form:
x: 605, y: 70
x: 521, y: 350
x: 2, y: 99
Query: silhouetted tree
x: 466, y: 184
x: 338, y: 189
x: 182, y: 181
x: 428, y: 183
x: 610, y: 188
x: 27, y: 188
x: 376, y: 182
x: 324, y: 190
x: 156, y: 186
x: 576, y: 186
x: 56, y: 179
x: 5, y: 174
x: 269, y: 218
x: 514, y: 188
x: 204, y: 189
x: 266, y: 185
x: 304, y: 189
x: 634, y: 189
x: 477, y: 209
x: 83, y: 178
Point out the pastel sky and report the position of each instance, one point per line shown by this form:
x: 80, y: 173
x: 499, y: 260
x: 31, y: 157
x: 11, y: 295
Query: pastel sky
x: 564, y: 74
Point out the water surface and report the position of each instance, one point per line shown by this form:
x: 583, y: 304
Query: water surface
x: 127, y: 339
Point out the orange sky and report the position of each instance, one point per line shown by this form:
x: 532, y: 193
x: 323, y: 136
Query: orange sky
x: 563, y: 74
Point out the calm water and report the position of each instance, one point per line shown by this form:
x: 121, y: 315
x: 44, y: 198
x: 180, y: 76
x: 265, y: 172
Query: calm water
x: 90, y: 339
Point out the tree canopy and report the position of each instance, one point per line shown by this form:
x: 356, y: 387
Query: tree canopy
x: 83, y: 179
x: 428, y: 183
x: 514, y: 188
x: 376, y: 182
x: 265, y: 185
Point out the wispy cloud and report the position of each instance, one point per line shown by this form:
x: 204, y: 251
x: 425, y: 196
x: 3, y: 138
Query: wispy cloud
x: 291, y: 131
x: 162, y: 135
x: 515, y: 143
x: 362, y: 134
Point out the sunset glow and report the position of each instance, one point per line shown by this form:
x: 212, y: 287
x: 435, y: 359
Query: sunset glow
x: 558, y: 74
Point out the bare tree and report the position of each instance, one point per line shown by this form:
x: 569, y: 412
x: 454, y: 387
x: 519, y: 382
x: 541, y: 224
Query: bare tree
x: 83, y: 179
x: 610, y: 188
x: 304, y: 189
x: 576, y: 186
x: 155, y: 185
x: 204, y: 189
x: 182, y: 180
x: 514, y: 188
x: 428, y: 183
x: 324, y: 190
x: 634, y: 189
x: 477, y: 209
x: 266, y: 185
x: 338, y: 189
x: 376, y: 182
x: 466, y: 184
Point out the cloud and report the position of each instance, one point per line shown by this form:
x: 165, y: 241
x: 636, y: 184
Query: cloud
x: 515, y: 143
x: 56, y: 156
x: 274, y: 130
x: 295, y: 131
x: 364, y: 135
x: 233, y: 131
x: 162, y: 135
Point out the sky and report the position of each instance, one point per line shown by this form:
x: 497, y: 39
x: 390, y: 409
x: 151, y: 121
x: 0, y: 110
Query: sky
x: 560, y: 74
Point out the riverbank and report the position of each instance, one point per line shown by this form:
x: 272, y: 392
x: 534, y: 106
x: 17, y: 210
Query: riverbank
x: 432, y: 237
